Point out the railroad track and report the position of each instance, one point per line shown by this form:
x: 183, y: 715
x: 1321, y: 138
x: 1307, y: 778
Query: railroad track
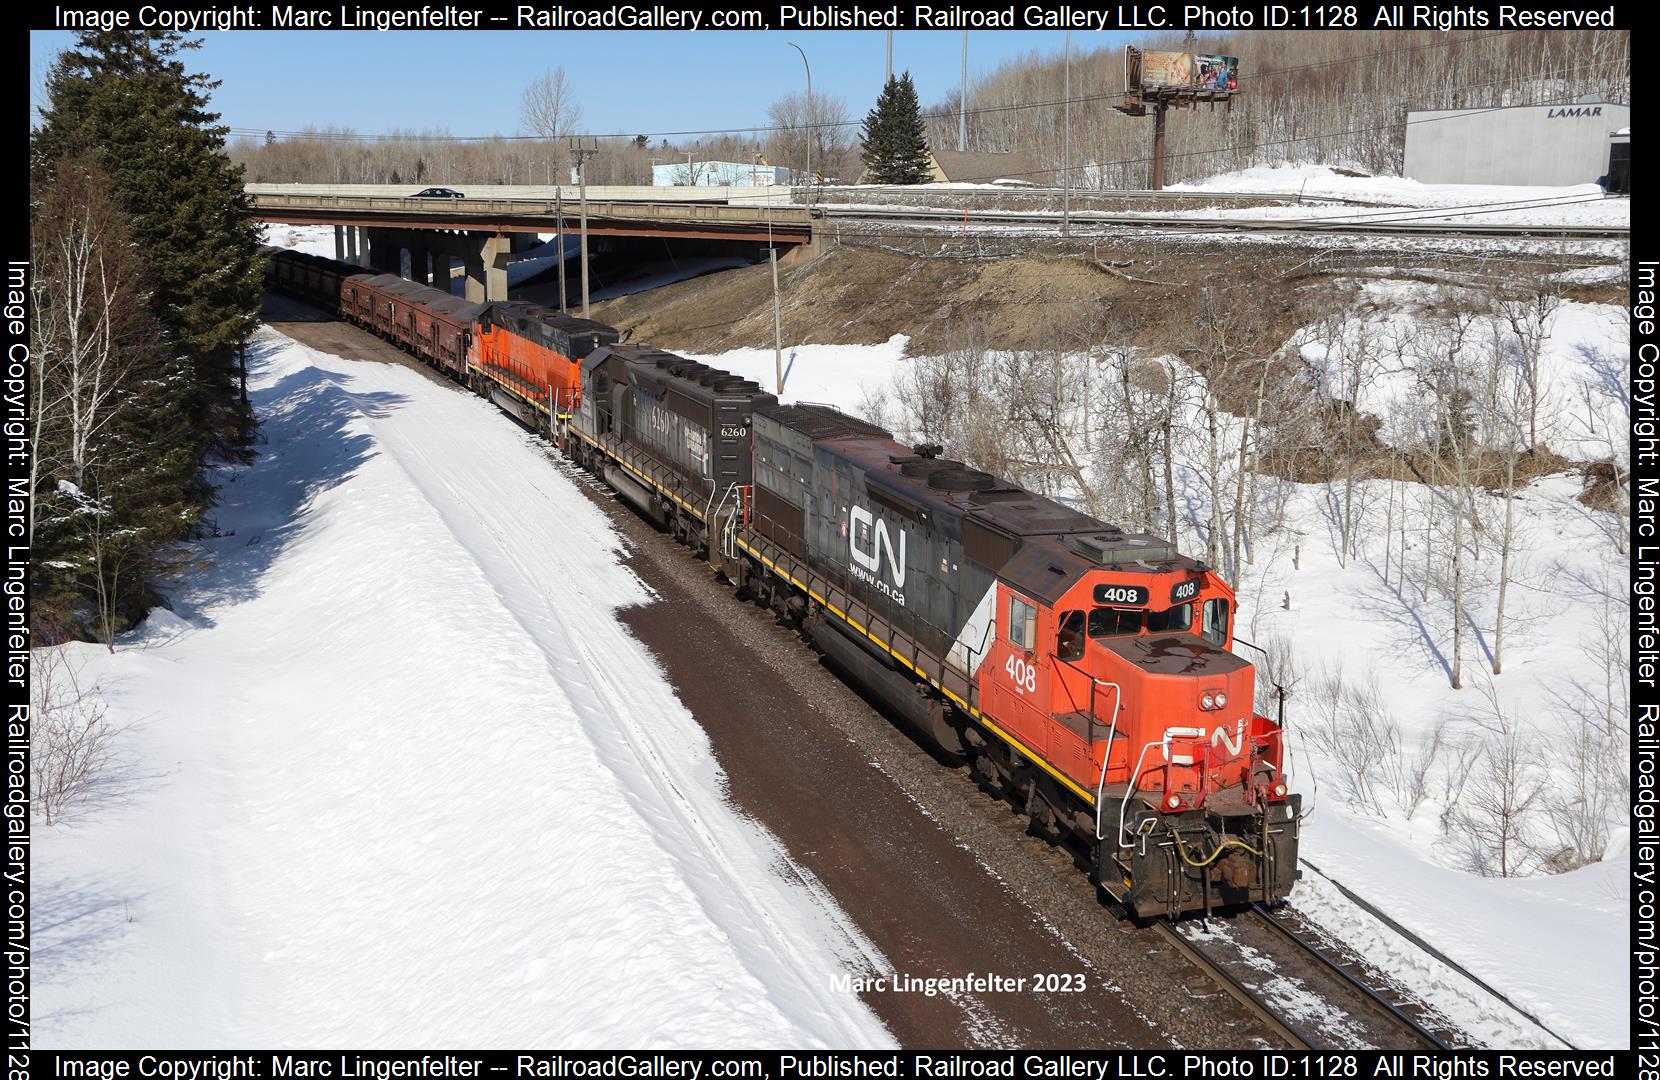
x: 1328, y: 226
x: 830, y: 196
x: 1305, y: 996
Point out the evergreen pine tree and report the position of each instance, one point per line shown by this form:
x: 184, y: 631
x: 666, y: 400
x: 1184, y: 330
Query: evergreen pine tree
x: 127, y: 96
x: 894, y: 144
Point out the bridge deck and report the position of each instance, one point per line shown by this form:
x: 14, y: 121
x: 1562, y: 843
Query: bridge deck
x: 605, y: 218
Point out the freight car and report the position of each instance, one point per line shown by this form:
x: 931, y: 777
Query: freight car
x: 522, y: 356
x: 311, y: 278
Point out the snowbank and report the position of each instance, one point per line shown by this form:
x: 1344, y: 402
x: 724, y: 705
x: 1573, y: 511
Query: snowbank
x: 397, y: 776
x: 1321, y: 181
x: 839, y: 375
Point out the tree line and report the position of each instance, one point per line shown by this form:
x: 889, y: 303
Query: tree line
x: 145, y: 291
x: 1333, y: 97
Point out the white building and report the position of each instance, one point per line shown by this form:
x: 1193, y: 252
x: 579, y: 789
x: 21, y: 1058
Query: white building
x: 717, y: 174
x: 1541, y: 145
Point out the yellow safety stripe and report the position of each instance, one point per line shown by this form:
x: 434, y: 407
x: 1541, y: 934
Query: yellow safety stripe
x: 1035, y: 757
x: 532, y: 402
x: 1031, y: 754
x: 973, y: 712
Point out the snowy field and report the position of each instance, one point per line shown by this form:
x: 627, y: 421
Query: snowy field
x: 1319, y: 181
x: 393, y: 774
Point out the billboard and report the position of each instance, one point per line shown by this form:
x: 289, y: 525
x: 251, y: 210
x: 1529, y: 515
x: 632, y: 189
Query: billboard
x: 1180, y: 70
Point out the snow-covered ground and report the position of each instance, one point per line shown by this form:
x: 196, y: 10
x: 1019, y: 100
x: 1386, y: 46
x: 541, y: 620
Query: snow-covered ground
x: 1547, y: 942
x: 1377, y: 361
x: 394, y: 774
x: 1309, y: 191
x: 839, y: 375
x: 1320, y: 181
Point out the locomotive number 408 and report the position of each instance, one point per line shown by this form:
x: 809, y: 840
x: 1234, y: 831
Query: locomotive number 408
x: 1022, y: 674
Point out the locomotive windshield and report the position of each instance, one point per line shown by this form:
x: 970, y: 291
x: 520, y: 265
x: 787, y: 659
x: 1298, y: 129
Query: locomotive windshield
x: 1121, y: 622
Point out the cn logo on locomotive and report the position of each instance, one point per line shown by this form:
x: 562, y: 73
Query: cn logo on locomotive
x: 866, y: 526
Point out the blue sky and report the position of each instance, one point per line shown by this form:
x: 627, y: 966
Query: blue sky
x: 632, y: 81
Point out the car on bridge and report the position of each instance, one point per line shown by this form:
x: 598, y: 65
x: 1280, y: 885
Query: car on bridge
x: 438, y: 193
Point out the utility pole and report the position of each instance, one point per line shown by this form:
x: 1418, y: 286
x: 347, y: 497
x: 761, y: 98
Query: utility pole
x: 583, y: 153
x: 777, y: 325
x: 962, y: 104
x: 559, y: 234
x: 890, y: 58
x: 777, y: 320
x: 1159, y: 109
x: 1066, y: 144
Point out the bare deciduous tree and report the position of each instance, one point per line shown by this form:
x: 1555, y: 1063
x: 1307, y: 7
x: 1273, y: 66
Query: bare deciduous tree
x: 549, y: 109
x: 816, y: 130
x: 1495, y: 816
x: 70, y: 736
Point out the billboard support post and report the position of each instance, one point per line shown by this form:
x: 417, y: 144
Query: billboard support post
x: 1158, y: 145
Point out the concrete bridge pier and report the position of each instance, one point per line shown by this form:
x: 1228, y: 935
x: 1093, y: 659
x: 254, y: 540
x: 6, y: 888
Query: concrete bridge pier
x: 406, y: 252
x: 418, y: 261
x: 486, y: 265
x: 384, y: 251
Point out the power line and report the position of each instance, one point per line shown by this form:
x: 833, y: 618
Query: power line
x: 343, y: 136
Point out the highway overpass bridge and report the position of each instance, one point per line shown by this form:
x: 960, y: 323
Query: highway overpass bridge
x: 375, y: 229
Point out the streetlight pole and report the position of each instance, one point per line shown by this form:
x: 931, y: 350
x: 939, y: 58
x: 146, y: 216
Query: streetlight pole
x: 807, y: 116
x: 890, y: 58
x: 559, y: 237
x: 962, y: 104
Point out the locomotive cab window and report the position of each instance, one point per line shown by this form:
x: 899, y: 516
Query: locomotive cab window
x: 1022, y: 623
x: 1069, y: 639
x: 1215, y: 628
x: 1179, y: 617
x: 1114, y: 622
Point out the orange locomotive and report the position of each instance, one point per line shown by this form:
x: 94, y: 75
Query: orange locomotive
x: 525, y: 357
x: 1086, y: 672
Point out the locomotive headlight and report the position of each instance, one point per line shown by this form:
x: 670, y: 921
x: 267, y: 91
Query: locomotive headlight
x: 1208, y: 701
x: 1221, y: 699
x: 1174, y: 802
x: 1279, y: 791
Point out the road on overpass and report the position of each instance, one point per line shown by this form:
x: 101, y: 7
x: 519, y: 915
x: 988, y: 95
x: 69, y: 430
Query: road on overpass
x: 788, y: 225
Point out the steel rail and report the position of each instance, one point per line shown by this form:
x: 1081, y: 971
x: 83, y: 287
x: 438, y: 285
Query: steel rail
x: 1293, y: 1036
x: 1405, y: 227
x: 1367, y: 993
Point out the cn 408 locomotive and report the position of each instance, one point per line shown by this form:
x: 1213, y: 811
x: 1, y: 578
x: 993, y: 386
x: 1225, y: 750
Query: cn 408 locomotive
x: 1086, y: 674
